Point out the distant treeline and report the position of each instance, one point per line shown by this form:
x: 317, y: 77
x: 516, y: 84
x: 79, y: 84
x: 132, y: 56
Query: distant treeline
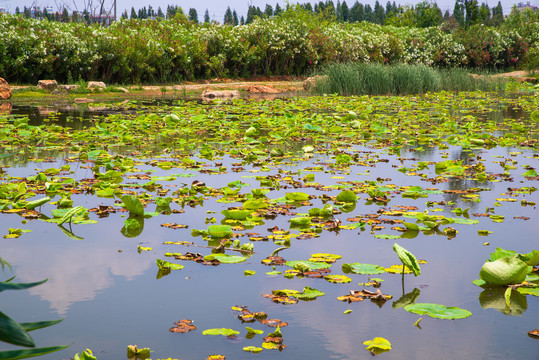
x: 425, y: 14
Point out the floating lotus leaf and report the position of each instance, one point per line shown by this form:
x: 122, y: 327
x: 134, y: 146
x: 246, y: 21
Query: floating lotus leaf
x: 529, y: 291
x: 236, y: 214
x: 377, y: 345
x: 225, y: 258
x: 311, y: 264
x: 504, y: 271
x: 338, y: 279
x: 497, y: 297
x: 322, y: 257
x: 438, y: 311
x: 300, y: 221
x: 252, y: 349
x: 221, y: 331
x: 309, y: 294
x: 407, y: 258
x: 297, y: 196
x: 358, y: 268
x: 255, y: 204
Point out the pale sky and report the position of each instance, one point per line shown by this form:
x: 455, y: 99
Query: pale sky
x: 217, y: 8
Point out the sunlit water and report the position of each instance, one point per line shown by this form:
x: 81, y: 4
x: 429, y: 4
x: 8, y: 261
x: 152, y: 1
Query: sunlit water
x: 109, y: 296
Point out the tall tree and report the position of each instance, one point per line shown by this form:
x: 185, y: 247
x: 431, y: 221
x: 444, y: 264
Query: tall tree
x: 497, y: 15
x: 133, y: 13
x: 472, y: 12
x: 229, y: 19
x: 235, y: 18
x: 160, y: 13
x: 379, y: 13
x: 357, y: 12
x: 458, y: 12
x: 193, y: 15
x: 207, y: 16
x: 124, y: 15
x: 484, y: 14
x: 268, y: 11
x: 278, y: 10
x: 345, y: 11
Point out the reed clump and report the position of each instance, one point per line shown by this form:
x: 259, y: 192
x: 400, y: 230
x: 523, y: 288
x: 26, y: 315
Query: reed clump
x: 398, y: 79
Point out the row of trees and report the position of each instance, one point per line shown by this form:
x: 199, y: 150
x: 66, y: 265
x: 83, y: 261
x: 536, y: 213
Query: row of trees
x: 425, y: 14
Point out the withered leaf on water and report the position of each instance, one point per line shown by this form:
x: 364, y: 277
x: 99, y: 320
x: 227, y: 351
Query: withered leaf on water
x: 274, y: 323
x: 360, y: 295
x: 183, y: 326
x: 534, y: 334
x: 273, y: 260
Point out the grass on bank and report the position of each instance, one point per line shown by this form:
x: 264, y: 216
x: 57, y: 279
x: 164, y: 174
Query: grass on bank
x: 399, y: 79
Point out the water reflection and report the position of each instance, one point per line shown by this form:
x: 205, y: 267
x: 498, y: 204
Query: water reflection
x: 6, y: 108
x: 493, y: 297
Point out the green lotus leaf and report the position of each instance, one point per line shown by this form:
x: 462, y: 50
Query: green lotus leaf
x: 377, y: 345
x: 529, y: 291
x: 220, y: 231
x: 494, y: 297
x: 162, y: 264
x: 347, y: 196
x: 297, y: 196
x: 309, y: 294
x: 438, y: 311
x: 311, y: 264
x: 225, y: 258
x: 407, y: 258
x: 252, y: 349
x: 255, y: 204
x: 358, y: 268
x: 236, y: 214
x: 504, y: 271
x: 411, y: 226
x: 338, y: 279
x: 300, y: 221
x: 133, y: 204
x: 406, y: 299
x: 221, y: 331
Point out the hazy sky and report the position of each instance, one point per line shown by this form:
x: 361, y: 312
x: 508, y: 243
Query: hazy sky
x: 217, y: 8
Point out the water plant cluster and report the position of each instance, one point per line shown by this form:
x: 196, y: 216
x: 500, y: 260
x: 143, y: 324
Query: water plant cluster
x: 295, y: 42
x: 250, y: 184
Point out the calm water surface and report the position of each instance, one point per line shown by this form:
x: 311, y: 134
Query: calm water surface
x: 109, y: 296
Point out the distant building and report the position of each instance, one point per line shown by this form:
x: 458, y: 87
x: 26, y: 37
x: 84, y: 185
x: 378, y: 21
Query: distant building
x: 526, y: 5
x: 3, y: 10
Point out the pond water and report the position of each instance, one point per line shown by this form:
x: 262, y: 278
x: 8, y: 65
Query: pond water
x: 103, y: 277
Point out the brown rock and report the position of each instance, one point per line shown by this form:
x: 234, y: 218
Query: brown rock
x: 48, y: 85
x: 92, y: 85
x: 262, y: 89
x: 5, y: 91
x: 220, y: 94
x: 5, y: 108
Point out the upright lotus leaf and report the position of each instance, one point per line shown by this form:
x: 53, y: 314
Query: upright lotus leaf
x: 133, y: 204
x: 358, y: 268
x: 377, y: 345
x: 504, y: 271
x: 220, y: 231
x: 407, y: 258
x: 326, y: 211
x: 86, y: 355
x: 134, y: 352
x: 347, y: 196
x: 70, y: 214
x: 221, y: 331
x: 438, y: 311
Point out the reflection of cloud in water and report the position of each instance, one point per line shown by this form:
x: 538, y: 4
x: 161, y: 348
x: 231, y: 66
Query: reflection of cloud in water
x: 75, y: 274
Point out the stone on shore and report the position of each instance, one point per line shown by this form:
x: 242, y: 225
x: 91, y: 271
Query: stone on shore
x: 96, y: 85
x: 262, y: 89
x: 220, y: 94
x: 311, y: 82
x: 48, y: 85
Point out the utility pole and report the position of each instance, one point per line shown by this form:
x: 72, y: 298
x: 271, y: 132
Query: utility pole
x: 115, y: 11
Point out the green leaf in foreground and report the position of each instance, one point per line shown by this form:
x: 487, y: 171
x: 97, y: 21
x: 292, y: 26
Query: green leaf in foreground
x: 86, y: 355
x: 23, y: 354
x: 407, y: 258
x: 31, y: 326
x: 252, y: 349
x: 377, y: 345
x: 13, y: 333
x: 438, y: 311
x: 504, y: 271
x: 19, y: 286
x: 162, y: 264
x: 221, y: 331
x: 220, y: 231
x: 347, y: 196
x: 529, y: 291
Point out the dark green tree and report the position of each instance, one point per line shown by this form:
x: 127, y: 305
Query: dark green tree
x: 207, y: 16
x: 497, y: 15
x: 268, y: 11
x: 229, y: 19
x: 471, y: 8
x: 193, y: 15
x: 484, y: 14
x: 235, y: 18
x: 379, y: 13
x: 160, y: 13
x: 428, y: 14
x: 345, y: 11
x: 357, y: 12
x: 458, y: 12
x: 278, y: 10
